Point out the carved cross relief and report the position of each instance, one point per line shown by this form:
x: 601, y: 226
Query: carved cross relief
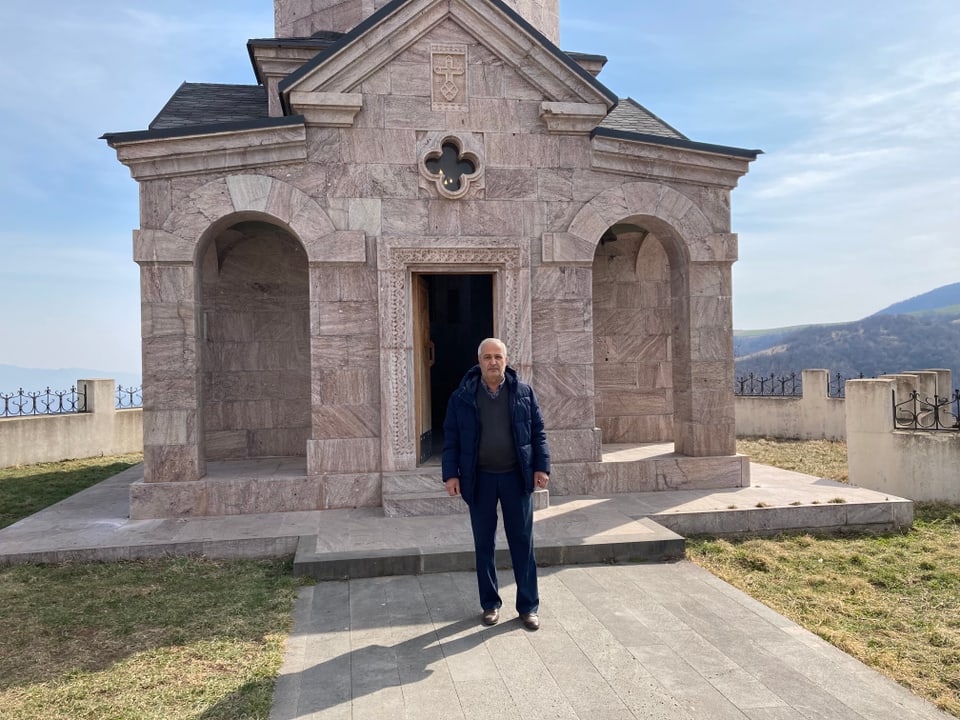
x: 448, y: 89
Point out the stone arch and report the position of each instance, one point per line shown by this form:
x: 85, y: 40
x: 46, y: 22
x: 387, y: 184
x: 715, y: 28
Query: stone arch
x: 688, y: 379
x: 254, y: 341
x: 215, y: 205
x: 681, y: 226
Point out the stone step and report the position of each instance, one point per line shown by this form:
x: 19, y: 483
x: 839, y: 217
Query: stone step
x: 437, y: 502
x: 412, y: 482
x: 654, y: 544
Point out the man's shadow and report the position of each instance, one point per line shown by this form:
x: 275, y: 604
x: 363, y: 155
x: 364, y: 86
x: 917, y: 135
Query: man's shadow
x: 372, y: 668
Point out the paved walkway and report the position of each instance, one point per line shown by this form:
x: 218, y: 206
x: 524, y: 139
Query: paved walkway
x: 657, y: 640
x: 665, y: 641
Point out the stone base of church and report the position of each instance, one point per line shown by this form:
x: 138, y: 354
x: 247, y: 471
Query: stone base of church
x: 649, y: 468
x: 246, y: 487
x: 276, y: 485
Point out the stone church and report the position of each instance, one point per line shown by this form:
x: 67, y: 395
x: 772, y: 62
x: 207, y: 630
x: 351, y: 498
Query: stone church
x: 322, y: 250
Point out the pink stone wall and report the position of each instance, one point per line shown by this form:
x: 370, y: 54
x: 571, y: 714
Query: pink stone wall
x: 632, y: 322
x: 255, y: 349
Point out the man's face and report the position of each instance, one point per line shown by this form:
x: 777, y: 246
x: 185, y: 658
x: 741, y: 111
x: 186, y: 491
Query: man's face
x: 493, y: 361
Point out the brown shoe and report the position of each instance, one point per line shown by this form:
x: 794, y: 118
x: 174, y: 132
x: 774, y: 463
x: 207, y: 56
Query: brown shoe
x: 491, y: 616
x: 531, y: 621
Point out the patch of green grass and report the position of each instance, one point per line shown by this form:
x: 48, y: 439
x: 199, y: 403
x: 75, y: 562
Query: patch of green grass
x: 25, y: 490
x: 163, y: 640
x: 893, y: 601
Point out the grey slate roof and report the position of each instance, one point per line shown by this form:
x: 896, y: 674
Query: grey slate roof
x: 211, y: 104
x: 632, y: 117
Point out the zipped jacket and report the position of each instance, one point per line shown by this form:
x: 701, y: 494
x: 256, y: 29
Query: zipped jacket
x: 461, y: 431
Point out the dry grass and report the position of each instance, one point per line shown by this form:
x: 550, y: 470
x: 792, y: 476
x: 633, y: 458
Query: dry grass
x: 822, y: 458
x: 159, y: 640
x: 893, y: 601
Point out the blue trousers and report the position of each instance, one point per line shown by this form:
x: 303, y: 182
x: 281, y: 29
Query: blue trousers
x: 517, y: 509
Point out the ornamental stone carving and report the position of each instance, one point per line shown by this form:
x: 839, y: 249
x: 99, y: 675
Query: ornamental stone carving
x: 448, y: 88
x: 452, y: 164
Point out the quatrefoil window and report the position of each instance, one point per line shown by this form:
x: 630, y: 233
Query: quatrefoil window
x: 451, y: 168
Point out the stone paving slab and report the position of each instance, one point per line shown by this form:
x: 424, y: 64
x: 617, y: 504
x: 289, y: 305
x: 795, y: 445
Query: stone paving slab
x: 663, y: 641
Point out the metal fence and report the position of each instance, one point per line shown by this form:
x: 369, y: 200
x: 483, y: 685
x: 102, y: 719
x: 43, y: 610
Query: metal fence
x: 791, y: 385
x: 751, y: 385
x: 23, y: 403
x: 936, y: 414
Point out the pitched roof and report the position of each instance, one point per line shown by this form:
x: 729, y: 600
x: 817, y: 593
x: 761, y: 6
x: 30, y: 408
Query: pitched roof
x: 211, y: 104
x: 200, y: 108
x: 630, y: 116
x: 632, y: 121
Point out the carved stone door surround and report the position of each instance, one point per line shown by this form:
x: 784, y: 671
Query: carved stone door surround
x: 398, y: 261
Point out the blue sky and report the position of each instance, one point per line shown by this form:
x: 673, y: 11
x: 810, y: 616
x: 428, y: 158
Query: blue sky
x: 854, y: 205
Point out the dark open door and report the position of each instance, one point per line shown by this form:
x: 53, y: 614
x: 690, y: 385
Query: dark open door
x: 452, y: 315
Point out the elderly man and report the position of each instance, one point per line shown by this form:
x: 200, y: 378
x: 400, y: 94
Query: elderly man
x: 495, y: 450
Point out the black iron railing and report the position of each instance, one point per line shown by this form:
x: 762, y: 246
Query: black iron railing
x: 788, y: 385
x: 936, y: 414
x: 43, y: 402
x: 768, y: 385
x: 129, y: 397
x: 23, y: 403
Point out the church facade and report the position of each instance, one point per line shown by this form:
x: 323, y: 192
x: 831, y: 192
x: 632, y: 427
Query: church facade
x: 322, y: 251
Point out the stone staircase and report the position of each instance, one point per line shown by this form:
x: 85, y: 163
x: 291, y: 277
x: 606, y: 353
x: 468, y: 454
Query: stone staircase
x: 413, y: 493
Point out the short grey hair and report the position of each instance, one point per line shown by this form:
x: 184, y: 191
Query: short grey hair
x: 498, y: 341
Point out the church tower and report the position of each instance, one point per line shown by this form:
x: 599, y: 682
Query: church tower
x: 303, y: 18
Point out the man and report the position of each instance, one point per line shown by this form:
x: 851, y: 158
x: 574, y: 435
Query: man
x: 495, y: 450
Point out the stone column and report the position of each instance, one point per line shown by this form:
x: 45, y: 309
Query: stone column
x: 871, y: 459
x: 703, y: 352
x: 344, y: 450
x: 172, y: 449
x: 563, y: 376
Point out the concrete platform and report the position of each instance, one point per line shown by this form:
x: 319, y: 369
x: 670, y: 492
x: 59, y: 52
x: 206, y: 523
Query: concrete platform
x: 94, y: 525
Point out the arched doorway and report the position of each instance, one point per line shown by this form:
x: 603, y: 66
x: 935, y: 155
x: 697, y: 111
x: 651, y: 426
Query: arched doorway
x: 255, y: 343
x: 633, y: 318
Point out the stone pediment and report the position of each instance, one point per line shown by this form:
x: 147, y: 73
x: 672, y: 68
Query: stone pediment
x: 573, y: 100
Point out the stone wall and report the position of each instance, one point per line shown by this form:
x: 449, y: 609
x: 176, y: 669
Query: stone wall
x: 256, y: 344
x: 914, y: 464
x: 102, y: 430
x: 632, y: 324
x: 814, y: 416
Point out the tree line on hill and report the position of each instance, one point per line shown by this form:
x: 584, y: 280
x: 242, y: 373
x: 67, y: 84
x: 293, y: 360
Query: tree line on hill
x: 879, y: 344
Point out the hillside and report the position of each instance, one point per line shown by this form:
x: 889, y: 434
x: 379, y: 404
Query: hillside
x: 918, y: 333
x: 944, y: 300
x: 873, y: 346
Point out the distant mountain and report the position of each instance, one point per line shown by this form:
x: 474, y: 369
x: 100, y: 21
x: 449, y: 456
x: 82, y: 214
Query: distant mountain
x: 13, y: 378
x: 943, y: 301
x: 920, y: 333
x: 873, y: 346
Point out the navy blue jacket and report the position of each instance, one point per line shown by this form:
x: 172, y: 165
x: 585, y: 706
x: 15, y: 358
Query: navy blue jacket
x: 461, y: 431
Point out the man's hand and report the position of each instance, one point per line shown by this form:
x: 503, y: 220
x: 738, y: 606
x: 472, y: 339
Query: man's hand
x: 453, y: 486
x: 540, y: 479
